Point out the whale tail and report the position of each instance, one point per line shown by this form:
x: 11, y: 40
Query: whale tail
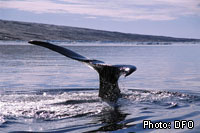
x: 108, y: 74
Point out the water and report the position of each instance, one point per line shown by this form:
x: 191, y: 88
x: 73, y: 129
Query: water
x: 43, y: 91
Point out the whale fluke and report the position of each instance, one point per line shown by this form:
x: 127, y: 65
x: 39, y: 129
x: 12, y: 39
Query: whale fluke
x: 108, y: 74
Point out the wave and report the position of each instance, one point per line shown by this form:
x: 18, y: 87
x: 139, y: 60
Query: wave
x: 66, y: 104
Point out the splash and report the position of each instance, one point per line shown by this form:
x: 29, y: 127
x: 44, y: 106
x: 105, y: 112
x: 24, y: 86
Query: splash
x: 48, y: 106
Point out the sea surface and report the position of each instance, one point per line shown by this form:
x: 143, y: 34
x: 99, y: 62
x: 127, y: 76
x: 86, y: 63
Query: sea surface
x: 43, y: 91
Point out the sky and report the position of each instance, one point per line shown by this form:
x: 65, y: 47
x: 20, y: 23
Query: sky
x: 175, y: 18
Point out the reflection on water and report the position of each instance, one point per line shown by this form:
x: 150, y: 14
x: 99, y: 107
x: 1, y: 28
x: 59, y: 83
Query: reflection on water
x: 43, y: 91
x: 111, y: 118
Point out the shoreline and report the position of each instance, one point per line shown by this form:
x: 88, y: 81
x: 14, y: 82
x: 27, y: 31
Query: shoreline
x: 67, y: 43
x: 25, y: 31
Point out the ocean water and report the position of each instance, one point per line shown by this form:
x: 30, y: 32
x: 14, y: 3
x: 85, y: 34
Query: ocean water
x: 43, y: 91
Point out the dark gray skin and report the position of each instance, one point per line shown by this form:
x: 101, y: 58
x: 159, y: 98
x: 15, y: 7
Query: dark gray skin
x: 108, y: 74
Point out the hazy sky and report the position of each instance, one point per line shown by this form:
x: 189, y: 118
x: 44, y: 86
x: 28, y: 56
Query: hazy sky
x: 176, y: 18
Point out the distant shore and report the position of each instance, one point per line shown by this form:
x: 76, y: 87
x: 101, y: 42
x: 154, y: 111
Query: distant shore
x: 24, y: 31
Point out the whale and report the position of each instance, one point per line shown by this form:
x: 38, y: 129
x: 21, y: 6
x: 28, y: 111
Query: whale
x: 108, y: 74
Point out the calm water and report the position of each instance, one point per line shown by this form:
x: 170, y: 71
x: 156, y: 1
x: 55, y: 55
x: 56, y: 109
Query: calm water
x: 43, y: 91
